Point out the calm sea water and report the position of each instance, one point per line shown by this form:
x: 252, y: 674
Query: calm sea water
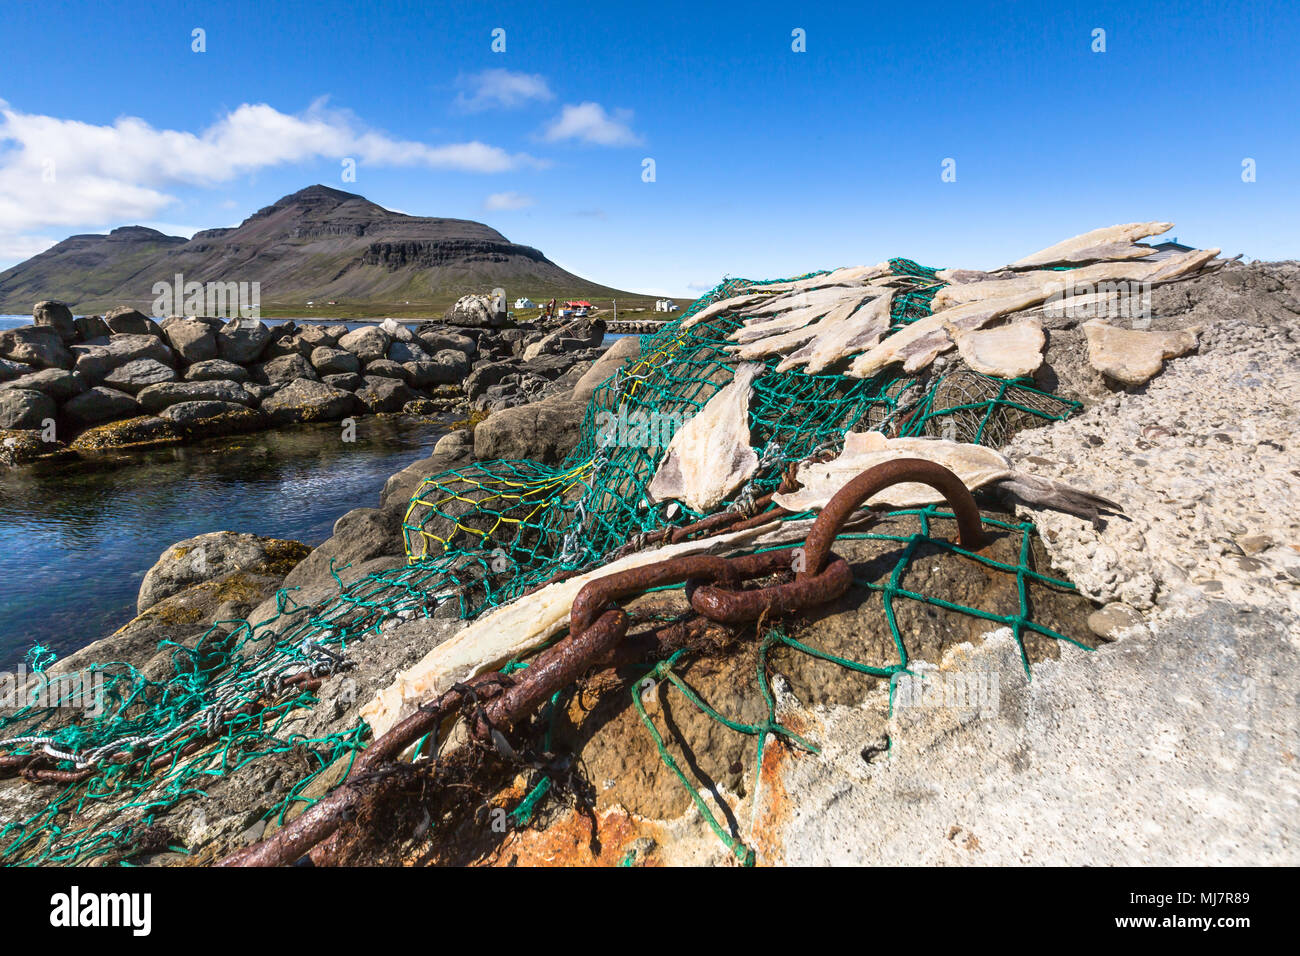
x: 76, y: 539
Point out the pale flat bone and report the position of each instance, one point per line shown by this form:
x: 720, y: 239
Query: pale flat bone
x: 1134, y: 357
x: 1056, y: 281
x: 710, y: 456
x: 860, y: 331
x: 1008, y: 351
x: 516, y: 629
x: 1112, y: 242
x: 975, y: 465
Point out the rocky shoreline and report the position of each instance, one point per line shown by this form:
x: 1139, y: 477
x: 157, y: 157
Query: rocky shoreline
x: 72, y: 386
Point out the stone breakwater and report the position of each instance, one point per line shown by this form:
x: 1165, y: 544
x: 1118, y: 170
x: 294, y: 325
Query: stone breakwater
x: 73, y: 385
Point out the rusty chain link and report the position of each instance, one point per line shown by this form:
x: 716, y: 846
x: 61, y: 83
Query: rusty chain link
x: 597, y: 624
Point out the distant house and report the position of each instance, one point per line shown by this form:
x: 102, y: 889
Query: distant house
x: 525, y: 303
x: 1167, y: 250
x: 665, y: 305
x: 577, y: 307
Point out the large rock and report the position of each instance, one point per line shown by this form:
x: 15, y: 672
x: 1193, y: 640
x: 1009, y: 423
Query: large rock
x: 435, y: 340
x: 242, y: 340
x: 96, y: 359
x: 284, y: 369
x: 141, y: 430
x: 261, y: 393
x: 157, y: 397
x: 332, y: 361
x: 286, y: 345
x: 57, y: 383
x: 386, y: 369
x: 91, y: 327
x: 215, y: 370
x: 37, y: 345
x: 319, y: 336
x: 125, y: 321
x: 215, y: 555
x: 544, y: 431
x: 58, y: 317
x: 614, y: 358
x: 397, y: 331
x: 193, y: 340
x: 349, y: 382
x: 100, y: 404
x: 380, y: 394
x: 359, y: 536
x: 140, y: 374
x: 580, y: 334
x: 205, y: 418
x: 475, y: 311
x: 12, y: 370
x: 308, y: 401
x: 24, y: 408
x: 448, y: 367
x: 402, y: 352
x: 367, y: 344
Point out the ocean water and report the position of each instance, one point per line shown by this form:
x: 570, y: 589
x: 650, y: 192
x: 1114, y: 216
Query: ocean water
x: 77, y: 538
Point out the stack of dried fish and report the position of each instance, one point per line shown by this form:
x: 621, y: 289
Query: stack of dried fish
x: 822, y: 322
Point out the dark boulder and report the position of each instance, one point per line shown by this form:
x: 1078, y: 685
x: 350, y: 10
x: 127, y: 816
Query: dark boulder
x: 58, y: 317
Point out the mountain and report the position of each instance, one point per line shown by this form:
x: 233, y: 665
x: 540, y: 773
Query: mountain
x: 318, y: 244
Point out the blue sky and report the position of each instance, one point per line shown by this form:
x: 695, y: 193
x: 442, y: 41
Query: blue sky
x: 768, y: 162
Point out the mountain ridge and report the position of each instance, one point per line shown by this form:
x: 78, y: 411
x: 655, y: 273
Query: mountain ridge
x: 318, y: 245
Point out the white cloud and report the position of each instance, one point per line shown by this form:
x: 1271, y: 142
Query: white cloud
x: 503, y: 89
x: 17, y: 248
x: 61, y: 172
x: 589, y: 123
x: 508, y: 200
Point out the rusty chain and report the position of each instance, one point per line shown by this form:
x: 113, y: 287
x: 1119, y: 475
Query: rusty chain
x: 597, y: 624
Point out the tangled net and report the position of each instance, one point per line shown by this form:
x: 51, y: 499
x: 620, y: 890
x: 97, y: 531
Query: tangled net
x: 480, y: 536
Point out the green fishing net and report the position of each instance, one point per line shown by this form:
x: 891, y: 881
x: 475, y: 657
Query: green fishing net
x: 477, y: 537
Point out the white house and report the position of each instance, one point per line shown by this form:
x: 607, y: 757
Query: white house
x: 525, y: 303
x: 665, y: 305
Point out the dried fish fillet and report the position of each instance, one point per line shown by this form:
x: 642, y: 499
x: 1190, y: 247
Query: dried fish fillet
x: 974, y: 315
x: 517, y: 629
x: 1112, y: 242
x: 1053, y: 282
x: 710, y: 456
x: 733, y: 304
x: 850, y: 275
x: 859, y: 331
x: 976, y: 465
x: 838, y: 310
x: 914, y: 345
x: 1131, y: 356
x: 1009, y: 351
